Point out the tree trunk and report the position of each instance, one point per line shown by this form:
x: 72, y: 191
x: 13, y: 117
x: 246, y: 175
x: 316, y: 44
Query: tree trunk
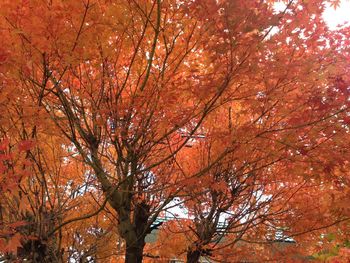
x: 193, y: 256
x: 134, y: 232
x: 134, y: 253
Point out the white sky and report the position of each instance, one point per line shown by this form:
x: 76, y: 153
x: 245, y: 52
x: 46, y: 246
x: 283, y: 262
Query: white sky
x: 338, y: 16
x: 332, y: 16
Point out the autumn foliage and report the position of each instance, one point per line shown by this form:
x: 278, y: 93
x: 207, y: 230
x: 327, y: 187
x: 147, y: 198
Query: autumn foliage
x: 117, y: 113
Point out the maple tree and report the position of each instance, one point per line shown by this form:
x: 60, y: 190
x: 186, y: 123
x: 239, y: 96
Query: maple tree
x: 42, y: 188
x: 118, y: 107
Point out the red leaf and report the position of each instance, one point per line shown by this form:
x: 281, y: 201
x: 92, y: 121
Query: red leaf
x: 25, y: 145
x: 14, y: 243
x: 18, y: 224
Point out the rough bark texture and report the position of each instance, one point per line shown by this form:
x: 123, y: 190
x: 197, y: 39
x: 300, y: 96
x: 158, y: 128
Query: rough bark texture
x: 134, y: 253
x: 134, y: 247
x: 133, y: 227
x: 193, y: 256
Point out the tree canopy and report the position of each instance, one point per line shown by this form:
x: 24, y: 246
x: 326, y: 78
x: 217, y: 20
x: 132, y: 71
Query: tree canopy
x: 114, y: 109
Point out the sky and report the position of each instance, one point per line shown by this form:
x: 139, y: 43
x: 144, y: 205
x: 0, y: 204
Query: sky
x: 338, y: 16
x: 332, y: 16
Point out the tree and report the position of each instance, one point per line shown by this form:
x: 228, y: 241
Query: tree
x: 42, y: 188
x: 133, y: 87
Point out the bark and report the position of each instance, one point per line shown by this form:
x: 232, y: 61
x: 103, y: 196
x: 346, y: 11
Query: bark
x: 133, y: 216
x: 193, y: 256
x: 134, y: 232
x: 134, y: 253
